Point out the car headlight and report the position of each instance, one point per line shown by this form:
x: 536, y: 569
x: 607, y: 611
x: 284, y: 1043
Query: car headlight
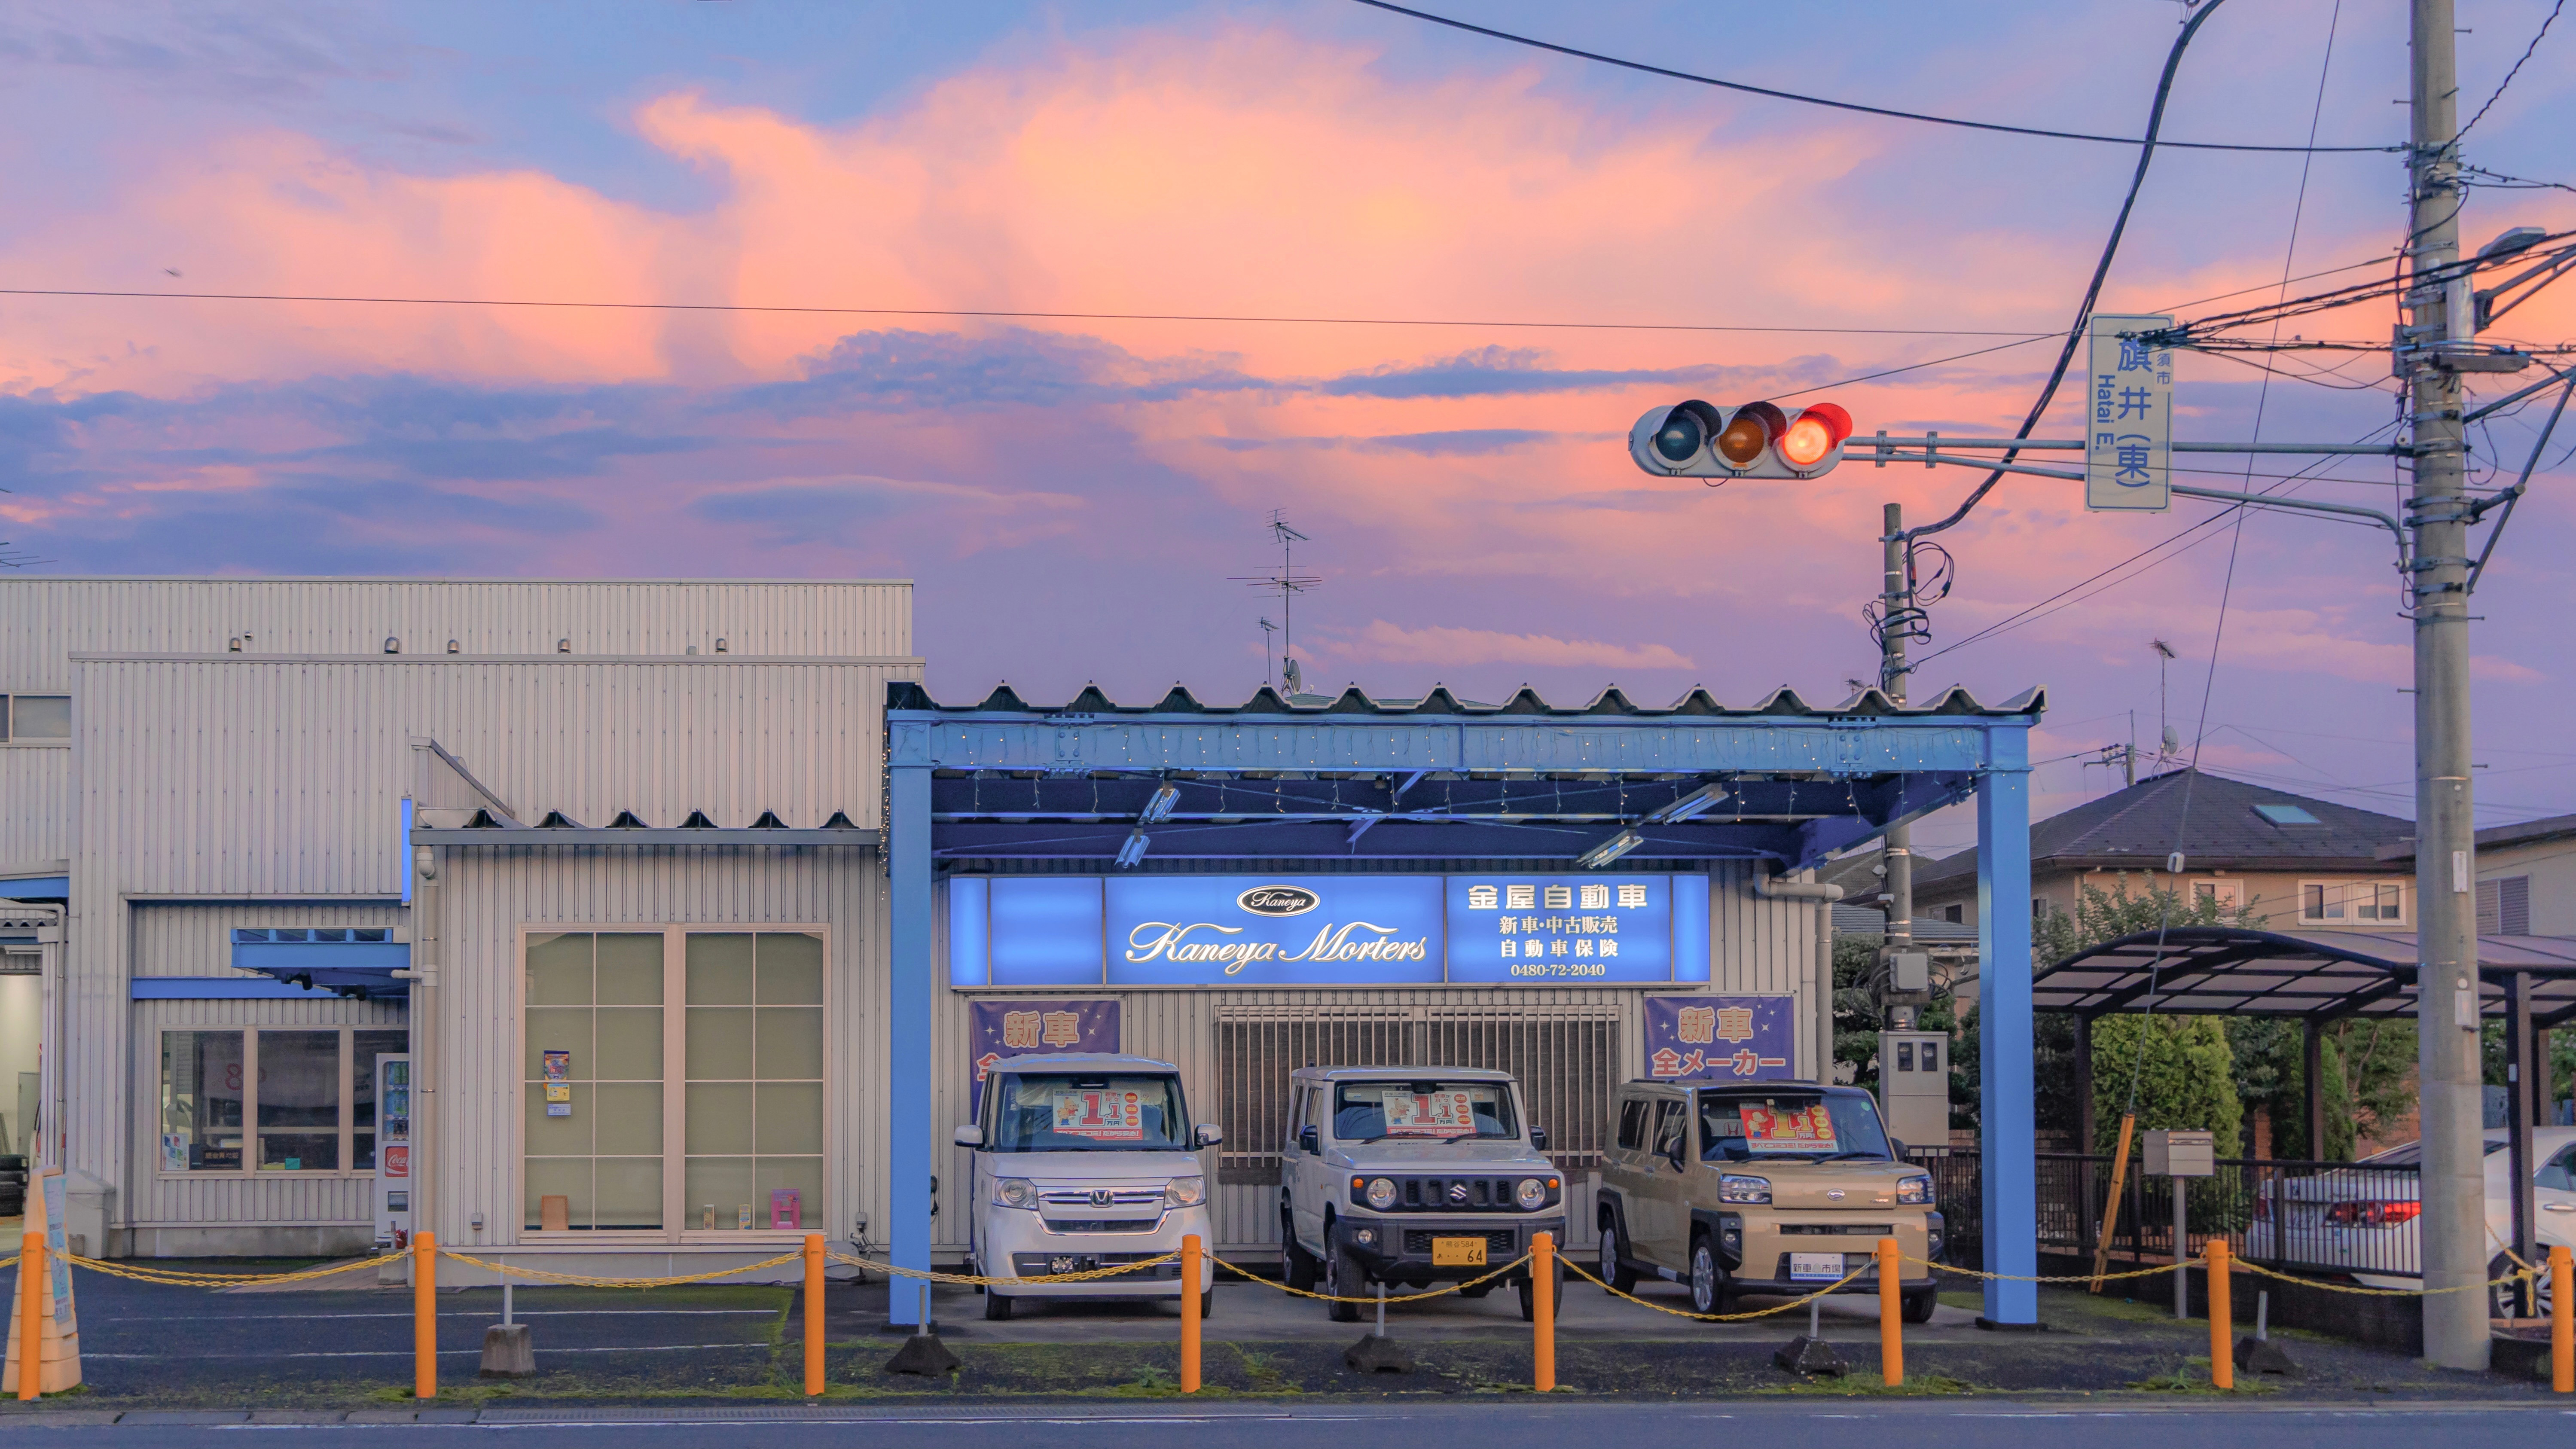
x: 1185, y: 1192
x: 1914, y: 1190
x: 1531, y: 1194
x: 1013, y: 1192
x: 1381, y: 1193
x: 1732, y: 1188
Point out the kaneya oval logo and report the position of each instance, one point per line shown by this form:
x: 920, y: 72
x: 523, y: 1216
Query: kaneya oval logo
x: 1278, y: 900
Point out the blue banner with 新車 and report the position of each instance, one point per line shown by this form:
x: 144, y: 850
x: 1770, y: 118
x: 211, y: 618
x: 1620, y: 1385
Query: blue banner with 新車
x: 1721, y: 1038
x: 1000, y: 1030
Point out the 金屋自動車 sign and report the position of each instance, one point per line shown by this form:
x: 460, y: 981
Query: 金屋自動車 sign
x: 1373, y: 930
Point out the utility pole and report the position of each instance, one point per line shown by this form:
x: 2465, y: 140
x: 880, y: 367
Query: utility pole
x: 2446, y: 995
x: 1896, y: 622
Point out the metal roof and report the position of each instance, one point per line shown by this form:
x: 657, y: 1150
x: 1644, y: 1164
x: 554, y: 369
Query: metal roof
x: 1782, y: 703
x: 2228, y: 971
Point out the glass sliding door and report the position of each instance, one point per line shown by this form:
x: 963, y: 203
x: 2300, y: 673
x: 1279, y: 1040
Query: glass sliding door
x: 593, y: 1081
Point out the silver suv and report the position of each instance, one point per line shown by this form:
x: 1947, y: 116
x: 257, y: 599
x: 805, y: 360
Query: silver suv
x: 1412, y: 1176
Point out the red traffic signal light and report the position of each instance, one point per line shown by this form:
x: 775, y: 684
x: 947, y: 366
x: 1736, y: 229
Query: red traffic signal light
x: 1757, y: 440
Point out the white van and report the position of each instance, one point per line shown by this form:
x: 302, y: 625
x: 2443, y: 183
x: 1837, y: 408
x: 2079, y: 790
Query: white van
x: 1085, y: 1162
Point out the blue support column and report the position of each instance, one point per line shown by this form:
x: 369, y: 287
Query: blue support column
x: 2006, y: 1142
x: 909, y: 1146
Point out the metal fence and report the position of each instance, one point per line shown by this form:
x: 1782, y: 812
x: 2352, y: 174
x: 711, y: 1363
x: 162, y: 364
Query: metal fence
x: 2329, y: 1218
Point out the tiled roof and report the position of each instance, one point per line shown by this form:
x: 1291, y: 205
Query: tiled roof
x: 2139, y: 826
x: 1783, y: 702
x: 2494, y: 837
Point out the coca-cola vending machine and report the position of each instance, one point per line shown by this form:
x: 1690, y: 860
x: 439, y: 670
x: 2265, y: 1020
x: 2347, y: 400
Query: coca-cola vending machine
x: 393, y: 1151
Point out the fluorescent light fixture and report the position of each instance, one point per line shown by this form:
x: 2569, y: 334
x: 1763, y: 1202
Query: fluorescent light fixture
x: 1610, y: 850
x: 1133, y: 849
x: 1159, y: 805
x: 1697, y: 803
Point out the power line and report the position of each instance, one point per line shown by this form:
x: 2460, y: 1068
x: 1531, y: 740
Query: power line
x: 2509, y: 75
x: 1780, y: 95
x: 1000, y: 315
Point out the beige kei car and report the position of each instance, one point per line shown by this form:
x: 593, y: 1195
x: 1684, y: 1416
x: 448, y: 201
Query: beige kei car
x: 1761, y: 1188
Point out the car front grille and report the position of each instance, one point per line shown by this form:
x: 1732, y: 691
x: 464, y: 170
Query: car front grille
x: 1831, y: 1230
x: 1457, y: 1194
x: 1040, y: 1265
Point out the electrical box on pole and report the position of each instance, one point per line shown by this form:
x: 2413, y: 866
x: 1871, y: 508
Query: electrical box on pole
x: 1757, y: 440
x: 1914, y: 1086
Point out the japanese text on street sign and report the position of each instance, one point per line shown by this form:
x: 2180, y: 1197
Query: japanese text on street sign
x: 1429, y: 1114
x: 2128, y: 435
x: 1106, y: 1116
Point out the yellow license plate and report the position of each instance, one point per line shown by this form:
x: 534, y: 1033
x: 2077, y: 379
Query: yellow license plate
x: 1457, y: 1252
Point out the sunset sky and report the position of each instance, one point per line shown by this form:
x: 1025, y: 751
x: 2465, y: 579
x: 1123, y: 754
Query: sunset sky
x: 1076, y: 499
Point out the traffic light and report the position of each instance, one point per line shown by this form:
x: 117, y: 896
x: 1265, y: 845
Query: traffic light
x: 1757, y: 440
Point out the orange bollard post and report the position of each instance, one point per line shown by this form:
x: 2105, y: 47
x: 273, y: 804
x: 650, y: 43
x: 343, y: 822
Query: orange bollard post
x: 1190, y: 1279
x: 1543, y: 1311
x: 31, y: 1315
x: 424, y: 1315
x: 2222, y: 1317
x: 1891, y: 1312
x: 813, y: 1313
x: 2562, y: 1323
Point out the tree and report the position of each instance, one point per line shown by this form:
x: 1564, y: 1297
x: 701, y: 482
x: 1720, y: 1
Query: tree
x: 2178, y: 1070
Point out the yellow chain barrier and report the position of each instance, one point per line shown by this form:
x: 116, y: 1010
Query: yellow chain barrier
x: 1439, y: 1292
x: 982, y: 1279
x: 2234, y: 1262
x: 2054, y: 1278
x: 593, y: 1280
x: 1578, y: 1270
x: 183, y: 1278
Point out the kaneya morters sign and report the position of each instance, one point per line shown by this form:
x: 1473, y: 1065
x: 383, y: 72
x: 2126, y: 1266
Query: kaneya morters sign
x: 1391, y: 930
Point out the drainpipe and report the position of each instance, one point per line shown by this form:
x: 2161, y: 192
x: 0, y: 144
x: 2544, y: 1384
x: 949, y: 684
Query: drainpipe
x: 423, y: 1014
x: 1820, y: 977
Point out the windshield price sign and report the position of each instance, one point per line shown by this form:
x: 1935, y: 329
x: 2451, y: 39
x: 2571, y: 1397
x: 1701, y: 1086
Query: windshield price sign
x: 1429, y: 1114
x: 1102, y: 1115
x: 1797, y: 1129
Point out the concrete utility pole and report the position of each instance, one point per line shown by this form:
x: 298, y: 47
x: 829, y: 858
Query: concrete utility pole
x: 2446, y: 998
x: 1896, y: 606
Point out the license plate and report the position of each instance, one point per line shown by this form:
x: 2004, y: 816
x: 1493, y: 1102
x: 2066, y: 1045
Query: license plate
x: 1813, y: 1266
x: 1464, y: 1253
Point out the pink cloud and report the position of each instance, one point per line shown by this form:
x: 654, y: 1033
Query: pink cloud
x: 1388, y: 643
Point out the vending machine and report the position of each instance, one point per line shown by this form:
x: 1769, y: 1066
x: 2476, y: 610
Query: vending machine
x: 393, y: 1151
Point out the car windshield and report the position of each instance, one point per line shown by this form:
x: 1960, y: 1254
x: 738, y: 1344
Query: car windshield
x: 1440, y: 1110
x: 1807, y: 1126
x: 1074, y: 1112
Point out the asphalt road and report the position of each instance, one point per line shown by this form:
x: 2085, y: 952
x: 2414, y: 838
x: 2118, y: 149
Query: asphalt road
x: 1803, y: 1425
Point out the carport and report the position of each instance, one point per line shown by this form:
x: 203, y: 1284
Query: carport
x: 1353, y: 783
x: 2318, y: 977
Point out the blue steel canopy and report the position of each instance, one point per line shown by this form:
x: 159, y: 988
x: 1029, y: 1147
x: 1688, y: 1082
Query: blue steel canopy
x: 1349, y: 778
x: 1431, y: 778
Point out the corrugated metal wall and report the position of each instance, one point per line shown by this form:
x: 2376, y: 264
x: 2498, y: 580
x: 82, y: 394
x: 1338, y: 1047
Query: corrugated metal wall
x: 43, y: 621
x: 1756, y: 946
x: 36, y: 809
x: 487, y: 897
x: 275, y: 1199
x: 237, y: 777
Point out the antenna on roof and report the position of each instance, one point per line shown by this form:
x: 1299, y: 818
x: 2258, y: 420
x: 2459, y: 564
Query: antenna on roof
x: 1290, y: 584
x: 2169, y: 744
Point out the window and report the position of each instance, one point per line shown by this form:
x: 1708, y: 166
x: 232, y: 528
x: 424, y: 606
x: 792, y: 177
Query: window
x: 2504, y: 906
x: 2558, y: 1174
x: 2327, y: 902
x: 1743, y: 1126
x: 1632, y: 1125
x: 2282, y: 813
x: 1061, y: 1112
x: 1956, y: 915
x: 299, y: 1099
x: 2230, y: 894
x: 1671, y: 1122
x: 1440, y: 1110
x: 32, y: 717
x: 672, y: 1082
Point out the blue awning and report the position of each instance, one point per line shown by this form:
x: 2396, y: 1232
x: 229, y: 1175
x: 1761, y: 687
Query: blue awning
x: 355, y: 961
x: 37, y: 888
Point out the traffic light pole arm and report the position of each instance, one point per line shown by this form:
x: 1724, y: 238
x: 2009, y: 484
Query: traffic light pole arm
x: 1874, y: 449
x: 2251, y: 500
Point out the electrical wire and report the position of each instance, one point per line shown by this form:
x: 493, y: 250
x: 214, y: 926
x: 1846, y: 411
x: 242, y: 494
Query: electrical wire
x: 2536, y: 38
x: 2101, y: 268
x: 1002, y: 315
x: 1808, y: 100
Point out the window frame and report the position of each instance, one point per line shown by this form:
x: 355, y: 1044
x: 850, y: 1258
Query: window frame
x: 677, y: 1228
x: 250, y: 1130
x: 2326, y: 888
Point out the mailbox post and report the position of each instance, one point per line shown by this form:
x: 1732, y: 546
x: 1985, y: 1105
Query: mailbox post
x: 2181, y: 1156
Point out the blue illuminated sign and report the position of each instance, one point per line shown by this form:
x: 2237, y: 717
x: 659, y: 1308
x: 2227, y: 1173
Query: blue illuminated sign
x: 1333, y: 930
x: 1540, y: 928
